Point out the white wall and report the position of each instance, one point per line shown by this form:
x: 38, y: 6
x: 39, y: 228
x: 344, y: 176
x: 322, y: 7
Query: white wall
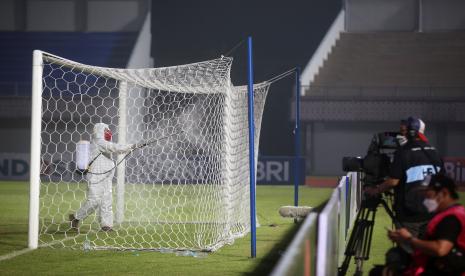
x: 323, y: 50
x: 405, y: 15
x: 110, y: 16
x: 51, y: 15
x: 381, y: 15
x: 7, y: 15
x: 442, y: 15
x: 327, y: 142
x: 331, y: 141
x: 141, y: 56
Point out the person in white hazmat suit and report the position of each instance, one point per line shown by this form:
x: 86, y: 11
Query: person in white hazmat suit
x: 99, y: 177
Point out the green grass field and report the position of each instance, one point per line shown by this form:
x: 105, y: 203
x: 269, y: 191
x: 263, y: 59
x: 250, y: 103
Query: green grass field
x: 273, y: 237
x: 155, y: 217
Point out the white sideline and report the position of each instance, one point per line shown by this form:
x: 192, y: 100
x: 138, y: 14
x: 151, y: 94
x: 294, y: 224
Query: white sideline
x: 27, y: 250
x: 14, y: 254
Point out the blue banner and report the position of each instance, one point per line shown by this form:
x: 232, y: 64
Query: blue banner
x: 279, y: 170
x: 14, y: 166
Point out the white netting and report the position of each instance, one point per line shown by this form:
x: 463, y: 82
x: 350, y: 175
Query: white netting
x: 189, y: 189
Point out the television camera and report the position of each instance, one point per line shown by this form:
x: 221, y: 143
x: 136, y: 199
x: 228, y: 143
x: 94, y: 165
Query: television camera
x: 374, y: 168
x: 375, y: 165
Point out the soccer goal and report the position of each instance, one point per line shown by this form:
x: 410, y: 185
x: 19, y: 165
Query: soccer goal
x: 188, y: 189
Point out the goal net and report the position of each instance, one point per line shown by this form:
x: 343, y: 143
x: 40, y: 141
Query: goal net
x: 188, y: 189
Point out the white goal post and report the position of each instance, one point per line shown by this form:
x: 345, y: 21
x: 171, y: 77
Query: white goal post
x: 188, y: 189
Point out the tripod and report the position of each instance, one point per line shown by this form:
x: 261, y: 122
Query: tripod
x: 359, y: 244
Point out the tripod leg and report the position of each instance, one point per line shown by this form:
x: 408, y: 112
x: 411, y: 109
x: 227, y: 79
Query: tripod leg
x: 390, y: 212
x: 353, y: 241
x: 363, y: 253
x: 360, y: 239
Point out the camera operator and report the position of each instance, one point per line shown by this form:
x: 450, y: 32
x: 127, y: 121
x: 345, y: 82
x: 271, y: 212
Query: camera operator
x: 412, y: 162
x: 403, y: 130
x: 441, y: 251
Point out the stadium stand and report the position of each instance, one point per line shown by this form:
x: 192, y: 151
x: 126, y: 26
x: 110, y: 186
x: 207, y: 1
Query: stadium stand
x: 395, y: 59
x: 107, y: 49
x: 371, y: 80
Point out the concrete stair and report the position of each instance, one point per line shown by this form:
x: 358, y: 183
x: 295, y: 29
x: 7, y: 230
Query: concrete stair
x: 395, y: 60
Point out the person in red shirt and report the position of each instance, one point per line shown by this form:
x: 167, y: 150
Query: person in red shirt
x: 442, y: 250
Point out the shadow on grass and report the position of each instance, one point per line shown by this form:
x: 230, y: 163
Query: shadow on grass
x: 270, y: 260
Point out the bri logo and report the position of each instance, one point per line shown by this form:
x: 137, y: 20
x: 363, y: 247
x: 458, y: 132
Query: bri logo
x: 455, y: 168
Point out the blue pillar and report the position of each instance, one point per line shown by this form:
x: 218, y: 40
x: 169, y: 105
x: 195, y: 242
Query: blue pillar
x: 253, y: 224
x: 297, y: 137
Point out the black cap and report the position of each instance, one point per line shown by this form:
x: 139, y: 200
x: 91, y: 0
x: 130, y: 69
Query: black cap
x: 440, y: 181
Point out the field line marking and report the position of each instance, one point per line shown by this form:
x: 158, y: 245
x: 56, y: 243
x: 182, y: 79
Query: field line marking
x: 27, y: 250
x: 14, y: 254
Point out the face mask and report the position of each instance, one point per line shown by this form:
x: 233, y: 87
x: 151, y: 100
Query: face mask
x: 430, y: 204
x: 107, y: 135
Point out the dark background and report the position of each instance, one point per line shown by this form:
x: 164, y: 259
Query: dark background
x: 285, y: 35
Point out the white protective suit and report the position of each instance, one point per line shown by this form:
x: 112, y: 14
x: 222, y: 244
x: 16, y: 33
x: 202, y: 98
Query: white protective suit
x: 99, y: 194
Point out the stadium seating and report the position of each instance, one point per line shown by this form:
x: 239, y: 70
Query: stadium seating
x: 100, y: 49
x: 386, y: 59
